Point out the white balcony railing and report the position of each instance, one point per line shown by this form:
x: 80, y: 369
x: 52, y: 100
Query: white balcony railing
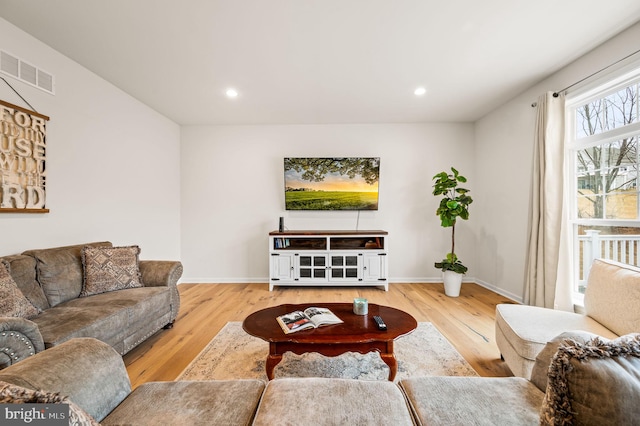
x: 621, y: 248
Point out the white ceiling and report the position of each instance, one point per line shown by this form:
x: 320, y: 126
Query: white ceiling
x: 321, y: 61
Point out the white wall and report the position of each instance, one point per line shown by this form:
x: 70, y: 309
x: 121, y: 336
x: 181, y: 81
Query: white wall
x: 233, y: 194
x: 113, y: 168
x: 224, y: 227
x: 117, y: 170
x: 504, y: 155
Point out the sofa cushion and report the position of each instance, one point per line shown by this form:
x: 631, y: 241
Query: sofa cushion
x: 529, y: 328
x: 12, y: 301
x: 109, y: 269
x: 13, y: 394
x: 543, y: 360
x: 141, y: 304
x: 110, y: 317
x: 218, y: 402
x: 108, y: 323
x: 147, y: 309
x: 594, y: 383
x: 473, y: 400
x: 313, y: 400
x: 612, y: 296
x: 23, y: 272
x: 59, y: 271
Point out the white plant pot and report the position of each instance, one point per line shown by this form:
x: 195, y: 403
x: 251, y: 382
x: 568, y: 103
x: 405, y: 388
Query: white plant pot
x: 452, y: 283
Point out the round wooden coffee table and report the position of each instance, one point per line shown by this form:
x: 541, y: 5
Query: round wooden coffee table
x: 358, y: 333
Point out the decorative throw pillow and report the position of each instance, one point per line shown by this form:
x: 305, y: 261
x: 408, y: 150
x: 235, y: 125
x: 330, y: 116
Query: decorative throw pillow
x: 13, y: 394
x: 594, y: 383
x: 12, y: 302
x: 110, y: 268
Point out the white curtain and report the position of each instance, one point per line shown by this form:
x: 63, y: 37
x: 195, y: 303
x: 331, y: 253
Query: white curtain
x: 548, y: 269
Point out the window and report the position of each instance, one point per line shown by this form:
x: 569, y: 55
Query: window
x: 603, y: 128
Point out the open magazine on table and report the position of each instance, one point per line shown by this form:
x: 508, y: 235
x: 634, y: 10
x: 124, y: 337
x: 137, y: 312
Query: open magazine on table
x: 311, y: 317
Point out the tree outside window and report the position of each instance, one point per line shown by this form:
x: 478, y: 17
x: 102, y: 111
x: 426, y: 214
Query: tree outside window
x: 604, y: 150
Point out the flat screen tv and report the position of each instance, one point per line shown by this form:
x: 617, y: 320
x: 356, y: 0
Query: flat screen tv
x: 341, y: 183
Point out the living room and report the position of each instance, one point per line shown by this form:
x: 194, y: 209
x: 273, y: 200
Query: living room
x: 115, y: 164
x: 208, y: 193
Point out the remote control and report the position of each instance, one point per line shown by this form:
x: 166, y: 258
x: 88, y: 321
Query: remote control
x: 381, y: 324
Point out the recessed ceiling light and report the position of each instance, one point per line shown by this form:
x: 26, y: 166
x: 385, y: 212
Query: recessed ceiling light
x: 420, y: 91
x: 232, y: 93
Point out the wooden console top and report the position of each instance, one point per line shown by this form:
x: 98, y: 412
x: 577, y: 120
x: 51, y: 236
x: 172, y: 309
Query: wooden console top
x: 327, y: 232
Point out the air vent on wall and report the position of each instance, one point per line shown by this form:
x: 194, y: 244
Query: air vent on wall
x: 25, y: 72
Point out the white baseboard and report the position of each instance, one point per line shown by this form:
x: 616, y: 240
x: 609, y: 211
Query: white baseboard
x: 499, y: 291
x: 219, y: 280
x: 438, y: 280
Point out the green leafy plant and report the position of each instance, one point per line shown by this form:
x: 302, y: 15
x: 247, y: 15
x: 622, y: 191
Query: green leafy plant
x: 453, y: 205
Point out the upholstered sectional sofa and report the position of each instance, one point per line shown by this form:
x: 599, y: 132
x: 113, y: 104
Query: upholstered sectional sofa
x: 576, y: 380
x: 612, y: 309
x: 85, y: 290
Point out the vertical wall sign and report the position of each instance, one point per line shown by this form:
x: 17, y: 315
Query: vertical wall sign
x: 23, y: 144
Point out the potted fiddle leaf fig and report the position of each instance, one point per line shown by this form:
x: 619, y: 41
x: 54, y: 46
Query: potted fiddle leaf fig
x: 454, y: 205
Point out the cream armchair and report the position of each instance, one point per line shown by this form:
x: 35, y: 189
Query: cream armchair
x: 612, y: 309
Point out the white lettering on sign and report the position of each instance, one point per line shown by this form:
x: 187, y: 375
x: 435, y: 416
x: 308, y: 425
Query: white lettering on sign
x: 22, y: 158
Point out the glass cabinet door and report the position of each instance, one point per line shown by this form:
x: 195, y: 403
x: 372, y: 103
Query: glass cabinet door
x: 344, y: 266
x: 312, y: 266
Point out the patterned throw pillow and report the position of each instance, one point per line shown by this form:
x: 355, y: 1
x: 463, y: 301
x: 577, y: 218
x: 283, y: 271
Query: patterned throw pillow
x: 594, y: 383
x: 12, y: 302
x: 110, y: 268
x: 13, y: 394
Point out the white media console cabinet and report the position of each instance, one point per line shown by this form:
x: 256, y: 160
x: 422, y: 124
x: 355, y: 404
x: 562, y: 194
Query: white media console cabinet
x: 328, y: 258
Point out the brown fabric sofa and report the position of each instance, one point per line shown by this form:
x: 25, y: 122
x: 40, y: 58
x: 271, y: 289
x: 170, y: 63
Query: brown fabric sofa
x: 598, y: 384
x: 52, y: 279
x: 93, y: 376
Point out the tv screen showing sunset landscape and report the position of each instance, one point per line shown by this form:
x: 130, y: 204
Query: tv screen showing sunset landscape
x: 349, y: 183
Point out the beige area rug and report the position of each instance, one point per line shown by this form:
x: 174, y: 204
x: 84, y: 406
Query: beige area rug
x: 233, y: 354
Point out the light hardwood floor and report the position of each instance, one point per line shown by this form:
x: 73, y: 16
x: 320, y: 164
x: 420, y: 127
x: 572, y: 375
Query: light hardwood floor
x: 466, y: 321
